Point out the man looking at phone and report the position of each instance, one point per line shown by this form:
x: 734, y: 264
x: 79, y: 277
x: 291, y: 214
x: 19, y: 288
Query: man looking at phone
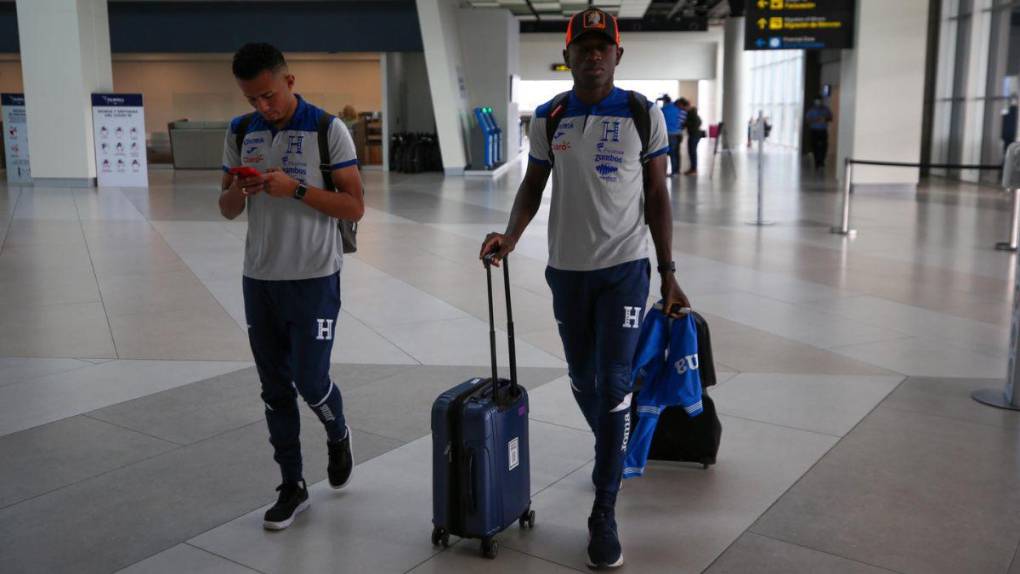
x: 607, y: 186
x: 292, y: 260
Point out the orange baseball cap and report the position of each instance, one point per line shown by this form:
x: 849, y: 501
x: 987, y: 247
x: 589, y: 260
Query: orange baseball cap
x: 593, y: 20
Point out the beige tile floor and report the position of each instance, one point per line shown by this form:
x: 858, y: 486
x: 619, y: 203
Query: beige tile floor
x: 131, y: 431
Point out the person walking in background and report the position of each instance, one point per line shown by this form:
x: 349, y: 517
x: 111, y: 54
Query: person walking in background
x: 1009, y: 125
x: 674, y: 130
x: 694, y: 134
x: 817, y: 119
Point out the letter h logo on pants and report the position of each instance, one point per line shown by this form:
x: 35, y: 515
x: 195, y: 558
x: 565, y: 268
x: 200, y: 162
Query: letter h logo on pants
x: 325, y: 330
x: 631, y: 317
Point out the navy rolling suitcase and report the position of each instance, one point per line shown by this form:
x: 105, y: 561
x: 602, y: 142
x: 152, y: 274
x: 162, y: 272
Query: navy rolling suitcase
x: 481, y: 475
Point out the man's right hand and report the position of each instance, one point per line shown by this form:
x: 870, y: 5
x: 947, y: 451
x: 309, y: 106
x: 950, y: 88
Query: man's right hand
x: 498, y: 245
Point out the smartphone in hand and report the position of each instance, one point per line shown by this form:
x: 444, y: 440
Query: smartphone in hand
x: 244, y: 171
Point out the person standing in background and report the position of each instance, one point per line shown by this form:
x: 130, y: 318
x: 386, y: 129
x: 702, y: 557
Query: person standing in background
x: 349, y: 117
x: 1009, y: 125
x: 817, y: 119
x: 694, y: 134
x: 674, y: 130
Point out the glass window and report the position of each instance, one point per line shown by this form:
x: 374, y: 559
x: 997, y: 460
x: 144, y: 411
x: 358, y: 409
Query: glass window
x: 777, y: 78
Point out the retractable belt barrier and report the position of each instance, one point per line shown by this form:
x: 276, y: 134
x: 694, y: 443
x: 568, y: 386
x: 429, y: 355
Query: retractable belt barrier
x: 1010, y: 181
x: 1009, y: 397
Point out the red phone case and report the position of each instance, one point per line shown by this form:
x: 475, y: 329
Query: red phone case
x: 244, y: 171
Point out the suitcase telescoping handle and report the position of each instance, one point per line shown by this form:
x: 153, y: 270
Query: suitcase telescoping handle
x: 509, y: 323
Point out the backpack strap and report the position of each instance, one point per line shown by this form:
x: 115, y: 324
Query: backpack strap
x: 642, y: 119
x: 242, y: 130
x: 325, y: 121
x: 557, y: 108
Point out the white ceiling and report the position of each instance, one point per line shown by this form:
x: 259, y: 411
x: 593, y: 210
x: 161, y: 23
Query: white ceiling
x: 563, y: 9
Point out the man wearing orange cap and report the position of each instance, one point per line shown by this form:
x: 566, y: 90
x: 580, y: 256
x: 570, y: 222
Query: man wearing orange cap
x: 606, y: 150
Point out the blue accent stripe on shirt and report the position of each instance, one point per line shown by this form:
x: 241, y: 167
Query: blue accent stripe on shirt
x: 657, y: 153
x: 226, y: 169
x: 597, y: 114
x: 542, y: 111
x: 305, y: 119
x: 344, y: 164
x: 534, y: 159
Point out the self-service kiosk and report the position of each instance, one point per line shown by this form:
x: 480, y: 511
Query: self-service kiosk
x: 486, y: 140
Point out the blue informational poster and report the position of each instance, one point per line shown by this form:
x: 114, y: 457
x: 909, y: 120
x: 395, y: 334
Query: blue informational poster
x: 119, y: 124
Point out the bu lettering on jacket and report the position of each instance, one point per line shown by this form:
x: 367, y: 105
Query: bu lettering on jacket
x: 690, y: 362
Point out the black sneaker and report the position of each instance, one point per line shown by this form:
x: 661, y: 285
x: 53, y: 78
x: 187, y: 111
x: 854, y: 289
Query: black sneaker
x: 604, y: 550
x: 293, y: 499
x: 341, y: 462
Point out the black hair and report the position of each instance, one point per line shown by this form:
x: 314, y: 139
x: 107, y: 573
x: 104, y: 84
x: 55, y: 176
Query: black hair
x: 253, y: 59
x: 683, y: 102
x: 666, y: 99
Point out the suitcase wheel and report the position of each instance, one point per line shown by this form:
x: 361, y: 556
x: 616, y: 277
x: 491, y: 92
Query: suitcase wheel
x: 440, y: 536
x: 527, y: 519
x: 490, y: 548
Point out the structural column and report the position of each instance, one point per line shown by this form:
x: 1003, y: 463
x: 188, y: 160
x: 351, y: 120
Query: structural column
x: 734, y: 112
x: 491, y: 59
x: 882, y: 88
x: 441, y: 37
x: 65, y: 57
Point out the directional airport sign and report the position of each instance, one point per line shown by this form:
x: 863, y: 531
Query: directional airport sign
x: 799, y: 24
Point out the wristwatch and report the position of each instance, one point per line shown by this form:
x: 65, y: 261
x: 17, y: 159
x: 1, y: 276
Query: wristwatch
x: 299, y: 193
x: 668, y: 268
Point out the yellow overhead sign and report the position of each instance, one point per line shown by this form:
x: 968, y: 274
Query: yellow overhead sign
x: 799, y: 24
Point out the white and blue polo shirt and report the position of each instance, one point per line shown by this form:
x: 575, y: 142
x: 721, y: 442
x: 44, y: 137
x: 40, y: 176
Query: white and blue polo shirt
x: 597, y: 215
x: 287, y: 239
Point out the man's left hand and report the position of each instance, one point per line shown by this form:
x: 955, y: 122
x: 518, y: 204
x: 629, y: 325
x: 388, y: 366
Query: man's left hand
x: 279, y: 184
x: 673, y: 297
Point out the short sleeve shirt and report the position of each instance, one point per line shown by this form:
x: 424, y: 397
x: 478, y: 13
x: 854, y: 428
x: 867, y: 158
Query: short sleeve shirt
x: 287, y: 239
x: 596, y: 216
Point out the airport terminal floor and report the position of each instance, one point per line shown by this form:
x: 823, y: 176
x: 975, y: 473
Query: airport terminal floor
x: 132, y: 434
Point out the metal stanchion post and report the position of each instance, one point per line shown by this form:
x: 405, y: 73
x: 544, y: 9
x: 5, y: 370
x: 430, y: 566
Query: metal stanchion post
x: 759, y: 133
x: 761, y: 177
x: 1011, y: 182
x: 1014, y: 226
x: 844, y: 226
x: 1008, y: 398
